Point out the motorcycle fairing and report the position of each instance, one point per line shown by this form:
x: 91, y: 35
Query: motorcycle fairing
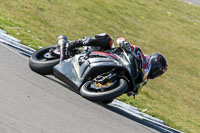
x: 74, y: 73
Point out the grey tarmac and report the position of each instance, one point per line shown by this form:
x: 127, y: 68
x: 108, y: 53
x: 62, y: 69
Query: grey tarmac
x: 195, y: 2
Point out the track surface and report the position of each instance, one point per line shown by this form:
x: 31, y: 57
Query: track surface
x: 31, y: 103
x: 196, y: 2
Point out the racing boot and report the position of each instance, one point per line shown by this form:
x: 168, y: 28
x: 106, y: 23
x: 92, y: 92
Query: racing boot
x: 62, y: 41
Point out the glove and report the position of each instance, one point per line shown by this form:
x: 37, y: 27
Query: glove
x: 124, y: 44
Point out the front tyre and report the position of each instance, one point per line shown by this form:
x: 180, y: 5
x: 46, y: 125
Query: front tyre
x: 88, y: 92
x: 42, y: 61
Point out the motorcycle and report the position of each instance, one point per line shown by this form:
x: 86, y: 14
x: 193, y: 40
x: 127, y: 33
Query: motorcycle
x: 97, y: 75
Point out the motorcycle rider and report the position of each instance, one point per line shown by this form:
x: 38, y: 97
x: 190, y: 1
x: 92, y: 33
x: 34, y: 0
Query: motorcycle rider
x: 151, y: 66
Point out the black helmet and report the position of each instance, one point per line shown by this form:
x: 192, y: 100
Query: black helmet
x: 158, y: 65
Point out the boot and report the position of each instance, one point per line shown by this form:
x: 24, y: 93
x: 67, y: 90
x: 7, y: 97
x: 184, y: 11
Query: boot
x: 62, y: 41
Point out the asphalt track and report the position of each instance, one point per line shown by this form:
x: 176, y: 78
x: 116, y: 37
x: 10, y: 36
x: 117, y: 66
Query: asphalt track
x: 195, y: 2
x: 31, y: 103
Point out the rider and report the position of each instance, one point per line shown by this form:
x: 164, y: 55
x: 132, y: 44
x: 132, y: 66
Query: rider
x: 151, y: 66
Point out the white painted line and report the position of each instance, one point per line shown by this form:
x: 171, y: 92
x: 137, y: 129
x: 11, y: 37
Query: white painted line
x: 135, y: 112
x: 3, y: 31
x: 6, y: 36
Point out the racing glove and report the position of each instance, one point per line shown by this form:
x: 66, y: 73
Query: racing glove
x: 124, y: 44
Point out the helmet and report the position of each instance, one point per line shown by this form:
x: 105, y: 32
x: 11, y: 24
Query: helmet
x: 158, y: 65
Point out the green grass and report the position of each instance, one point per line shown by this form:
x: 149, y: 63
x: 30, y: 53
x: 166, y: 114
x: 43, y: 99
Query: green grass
x: 167, y: 26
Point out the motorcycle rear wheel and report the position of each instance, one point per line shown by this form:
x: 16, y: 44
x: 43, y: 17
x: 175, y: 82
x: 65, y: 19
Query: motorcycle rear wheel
x: 39, y: 64
x: 104, y: 96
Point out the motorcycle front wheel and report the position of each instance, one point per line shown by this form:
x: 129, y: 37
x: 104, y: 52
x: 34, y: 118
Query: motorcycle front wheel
x: 42, y: 61
x: 103, y: 95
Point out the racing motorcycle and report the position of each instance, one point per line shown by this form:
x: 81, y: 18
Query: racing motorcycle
x: 97, y: 75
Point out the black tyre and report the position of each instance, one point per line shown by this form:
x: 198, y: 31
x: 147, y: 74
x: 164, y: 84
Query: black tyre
x: 104, y: 96
x: 42, y: 65
x: 108, y: 101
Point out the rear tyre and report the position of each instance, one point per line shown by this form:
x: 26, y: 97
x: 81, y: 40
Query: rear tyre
x: 42, y: 61
x: 104, y: 96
